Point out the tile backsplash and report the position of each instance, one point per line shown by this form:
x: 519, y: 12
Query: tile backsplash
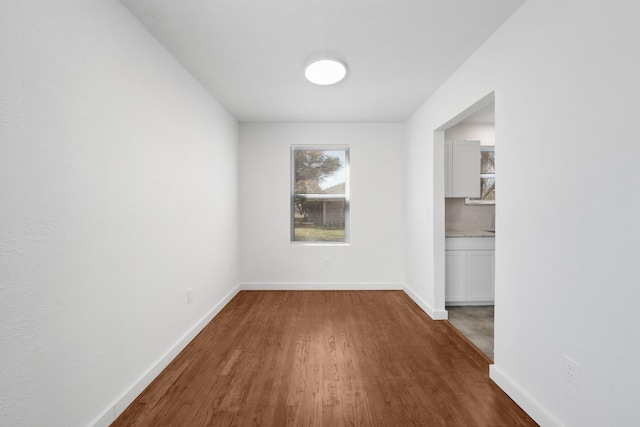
x: 461, y: 217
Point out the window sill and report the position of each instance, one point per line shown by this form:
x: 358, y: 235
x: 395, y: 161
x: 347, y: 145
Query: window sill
x: 309, y: 243
x: 469, y: 201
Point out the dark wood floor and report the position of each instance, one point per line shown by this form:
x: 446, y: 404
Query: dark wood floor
x: 335, y: 358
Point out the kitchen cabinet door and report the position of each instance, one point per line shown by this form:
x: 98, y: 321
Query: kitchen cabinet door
x: 480, y: 275
x: 455, y: 276
x: 462, y: 169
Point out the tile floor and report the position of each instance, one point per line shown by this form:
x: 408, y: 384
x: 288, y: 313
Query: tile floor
x: 476, y: 323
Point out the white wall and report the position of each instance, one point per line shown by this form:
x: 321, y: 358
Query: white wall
x: 374, y: 256
x: 118, y: 192
x: 565, y: 75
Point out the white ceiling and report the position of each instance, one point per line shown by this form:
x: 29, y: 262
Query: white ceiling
x: 250, y: 54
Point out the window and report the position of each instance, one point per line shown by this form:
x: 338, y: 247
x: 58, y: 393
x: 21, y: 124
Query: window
x: 319, y: 194
x: 487, y: 177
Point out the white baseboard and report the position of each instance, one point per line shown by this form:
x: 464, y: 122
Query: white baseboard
x: 129, y: 395
x: 434, y: 314
x: 321, y: 286
x: 522, y: 398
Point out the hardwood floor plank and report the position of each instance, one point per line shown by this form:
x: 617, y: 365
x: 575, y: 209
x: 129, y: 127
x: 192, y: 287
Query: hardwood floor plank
x: 324, y: 358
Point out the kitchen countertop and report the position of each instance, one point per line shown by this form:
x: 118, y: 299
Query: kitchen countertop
x: 469, y: 233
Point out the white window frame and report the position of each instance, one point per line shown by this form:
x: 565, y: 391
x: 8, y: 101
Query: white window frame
x: 344, y: 196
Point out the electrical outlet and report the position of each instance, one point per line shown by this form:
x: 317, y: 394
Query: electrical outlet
x: 571, y: 371
x: 189, y: 296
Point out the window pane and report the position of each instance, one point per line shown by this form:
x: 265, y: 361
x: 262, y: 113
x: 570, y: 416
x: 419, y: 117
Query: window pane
x: 488, y: 188
x: 320, y: 194
x: 319, y: 171
x: 319, y: 220
x: 487, y: 161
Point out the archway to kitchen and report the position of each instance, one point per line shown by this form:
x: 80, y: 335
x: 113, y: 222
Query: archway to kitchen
x: 469, y: 221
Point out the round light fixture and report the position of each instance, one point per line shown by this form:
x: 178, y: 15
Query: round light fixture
x: 325, y: 71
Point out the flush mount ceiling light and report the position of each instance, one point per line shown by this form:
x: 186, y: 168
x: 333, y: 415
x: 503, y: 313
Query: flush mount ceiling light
x: 325, y: 71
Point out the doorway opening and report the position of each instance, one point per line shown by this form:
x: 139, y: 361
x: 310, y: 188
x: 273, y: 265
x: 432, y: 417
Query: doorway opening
x: 469, y: 223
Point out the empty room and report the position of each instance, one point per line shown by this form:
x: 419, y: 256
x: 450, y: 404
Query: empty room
x: 242, y: 212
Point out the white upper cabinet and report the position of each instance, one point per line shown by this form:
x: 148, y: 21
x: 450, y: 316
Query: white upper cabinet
x: 462, y: 169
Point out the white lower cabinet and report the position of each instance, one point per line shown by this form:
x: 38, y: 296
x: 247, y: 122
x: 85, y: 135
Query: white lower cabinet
x: 455, y: 276
x: 469, y: 273
x: 480, y: 275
